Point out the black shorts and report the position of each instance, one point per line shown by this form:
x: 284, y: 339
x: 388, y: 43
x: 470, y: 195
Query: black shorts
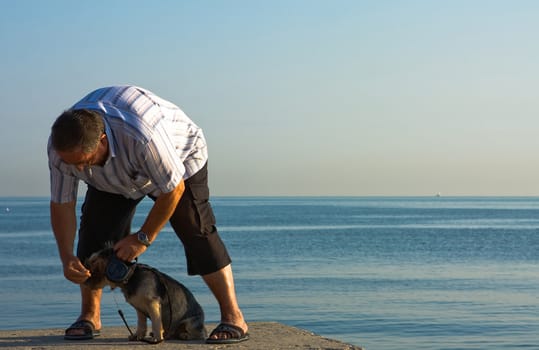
x: 107, y: 217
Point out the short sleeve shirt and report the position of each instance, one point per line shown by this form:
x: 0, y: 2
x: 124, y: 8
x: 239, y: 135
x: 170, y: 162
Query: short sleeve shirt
x: 153, y: 144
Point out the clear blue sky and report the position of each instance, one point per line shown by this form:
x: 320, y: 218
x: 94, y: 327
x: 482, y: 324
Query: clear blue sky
x: 295, y: 97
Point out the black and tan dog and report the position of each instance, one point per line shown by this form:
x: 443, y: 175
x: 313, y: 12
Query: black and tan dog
x: 171, y: 307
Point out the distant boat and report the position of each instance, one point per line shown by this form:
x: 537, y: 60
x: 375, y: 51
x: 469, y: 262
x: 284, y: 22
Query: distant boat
x: 438, y: 194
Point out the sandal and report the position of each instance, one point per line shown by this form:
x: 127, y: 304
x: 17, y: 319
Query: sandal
x: 87, y: 326
x: 235, y: 333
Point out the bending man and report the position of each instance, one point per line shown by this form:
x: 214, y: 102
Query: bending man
x: 126, y: 143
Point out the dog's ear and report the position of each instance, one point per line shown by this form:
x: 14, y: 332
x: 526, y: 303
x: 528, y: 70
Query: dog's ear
x: 101, y: 266
x: 86, y: 263
x: 97, y: 265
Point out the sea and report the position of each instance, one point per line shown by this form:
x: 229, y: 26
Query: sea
x: 383, y: 273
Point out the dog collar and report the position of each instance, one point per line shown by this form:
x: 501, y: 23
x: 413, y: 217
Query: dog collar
x: 118, y: 271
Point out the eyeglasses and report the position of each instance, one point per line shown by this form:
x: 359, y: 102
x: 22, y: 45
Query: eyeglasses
x: 86, y: 159
x: 82, y: 160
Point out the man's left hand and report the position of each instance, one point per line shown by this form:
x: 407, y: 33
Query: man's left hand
x: 129, y: 248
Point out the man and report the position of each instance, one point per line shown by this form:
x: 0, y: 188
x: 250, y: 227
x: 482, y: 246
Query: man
x: 127, y: 143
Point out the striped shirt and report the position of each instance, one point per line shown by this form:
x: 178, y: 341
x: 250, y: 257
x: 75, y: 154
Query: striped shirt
x: 152, y: 146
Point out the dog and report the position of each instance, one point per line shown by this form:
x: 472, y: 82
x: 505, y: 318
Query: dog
x: 171, y: 307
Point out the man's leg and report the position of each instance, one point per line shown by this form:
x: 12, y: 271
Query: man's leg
x: 105, y: 218
x: 90, y: 306
x: 221, y: 283
x: 194, y: 223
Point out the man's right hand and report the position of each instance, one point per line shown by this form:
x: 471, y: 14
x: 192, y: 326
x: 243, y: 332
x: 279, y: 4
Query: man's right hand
x: 75, y: 271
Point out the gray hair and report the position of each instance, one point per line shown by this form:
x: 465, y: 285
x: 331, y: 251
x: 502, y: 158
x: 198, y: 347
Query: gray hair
x: 77, y: 129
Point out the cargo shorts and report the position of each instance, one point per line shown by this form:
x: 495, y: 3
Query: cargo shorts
x: 106, y: 217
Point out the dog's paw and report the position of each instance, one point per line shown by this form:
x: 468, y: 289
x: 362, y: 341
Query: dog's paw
x: 153, y: 340
x: 137, y: 337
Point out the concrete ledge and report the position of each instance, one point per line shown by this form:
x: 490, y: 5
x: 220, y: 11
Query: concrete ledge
x: 263, y: 335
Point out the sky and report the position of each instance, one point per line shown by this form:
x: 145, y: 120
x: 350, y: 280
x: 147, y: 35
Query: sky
x: 317, y: 98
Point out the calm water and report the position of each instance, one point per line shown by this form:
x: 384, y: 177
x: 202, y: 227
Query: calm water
x: 383, y: 273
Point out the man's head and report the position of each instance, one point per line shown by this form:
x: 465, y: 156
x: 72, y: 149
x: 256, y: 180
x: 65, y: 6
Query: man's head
x: 78, y: 129
x: 78, y: 136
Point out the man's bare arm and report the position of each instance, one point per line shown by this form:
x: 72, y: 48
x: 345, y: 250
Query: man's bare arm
x: 64, y: 227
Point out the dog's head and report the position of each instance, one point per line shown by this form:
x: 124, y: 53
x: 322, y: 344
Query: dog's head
x: 97, y: 264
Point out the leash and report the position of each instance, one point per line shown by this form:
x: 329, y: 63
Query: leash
x: 123, y: 318
x: 120, y: 312
x: 163, y: 282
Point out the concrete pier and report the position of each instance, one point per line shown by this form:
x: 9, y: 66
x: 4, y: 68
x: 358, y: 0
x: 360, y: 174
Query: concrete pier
x: 263, y: 335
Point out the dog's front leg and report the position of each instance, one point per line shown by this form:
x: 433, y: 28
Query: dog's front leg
x: 157, y: 323
x: 140, y: 334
